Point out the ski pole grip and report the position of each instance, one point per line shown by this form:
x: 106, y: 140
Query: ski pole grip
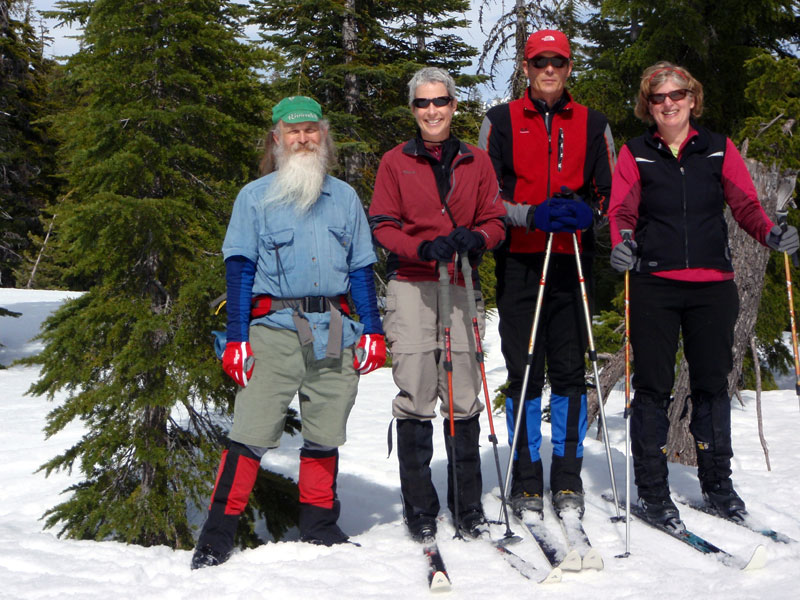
x: 626, y: 237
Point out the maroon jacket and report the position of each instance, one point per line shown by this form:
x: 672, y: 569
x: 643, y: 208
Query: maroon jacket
x: 409, y: 206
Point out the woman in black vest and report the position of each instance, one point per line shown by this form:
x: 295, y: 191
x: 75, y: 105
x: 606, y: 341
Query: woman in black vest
x: 670, y: 188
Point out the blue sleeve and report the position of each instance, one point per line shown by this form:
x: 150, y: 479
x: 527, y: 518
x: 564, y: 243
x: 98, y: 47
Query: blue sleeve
x: 239, y: 275
x: 362, y: 290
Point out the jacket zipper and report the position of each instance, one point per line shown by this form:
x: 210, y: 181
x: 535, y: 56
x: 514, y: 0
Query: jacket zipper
x: 549, y: 149
x: 685, y: 218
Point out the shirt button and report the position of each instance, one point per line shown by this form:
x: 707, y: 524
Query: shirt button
x: 316, y: 284
x: 313, y: 259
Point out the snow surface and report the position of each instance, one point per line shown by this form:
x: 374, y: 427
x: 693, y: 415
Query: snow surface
x: 36, y: 564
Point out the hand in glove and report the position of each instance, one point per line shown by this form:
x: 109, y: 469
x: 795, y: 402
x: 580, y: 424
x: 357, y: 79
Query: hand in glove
x: 783, y: 241
x: 370, y: 353
x: 467, y: 240
x: 238, y: 361
x: 573, y: 215
x: 562, y: 215
x: 440, y: 249
x: 623, y: 256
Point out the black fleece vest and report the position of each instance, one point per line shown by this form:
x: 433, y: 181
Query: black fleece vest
x: 681, y: 213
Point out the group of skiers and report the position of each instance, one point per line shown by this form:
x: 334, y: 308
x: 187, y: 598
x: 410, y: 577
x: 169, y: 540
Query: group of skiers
x: 299, y: 252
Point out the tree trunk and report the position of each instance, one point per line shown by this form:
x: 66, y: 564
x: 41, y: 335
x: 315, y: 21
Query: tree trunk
x: 352, y: 160
x: 518, y: 80
x: 613, y: 370
x: 749, y: 264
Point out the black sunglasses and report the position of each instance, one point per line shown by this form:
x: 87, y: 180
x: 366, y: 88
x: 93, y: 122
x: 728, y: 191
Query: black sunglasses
x: 674, y: 95
x: 439, y: 101
x: 541, y: 62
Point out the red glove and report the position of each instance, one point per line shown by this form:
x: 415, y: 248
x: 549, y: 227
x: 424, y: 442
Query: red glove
x: 370, y: 353
x: 238, y: 361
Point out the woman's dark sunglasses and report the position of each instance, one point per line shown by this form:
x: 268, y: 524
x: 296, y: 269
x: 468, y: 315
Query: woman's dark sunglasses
x: 674, y: 95
x: 424, y: 102
x: 541, y: 62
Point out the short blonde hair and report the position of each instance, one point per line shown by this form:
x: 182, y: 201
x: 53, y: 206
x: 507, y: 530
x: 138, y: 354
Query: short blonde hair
x: 657, y: 74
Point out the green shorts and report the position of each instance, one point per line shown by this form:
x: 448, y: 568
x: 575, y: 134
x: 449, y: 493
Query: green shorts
x: 327, y: 390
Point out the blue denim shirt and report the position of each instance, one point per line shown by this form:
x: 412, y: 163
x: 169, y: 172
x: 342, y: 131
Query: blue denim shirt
x: 300, y: 255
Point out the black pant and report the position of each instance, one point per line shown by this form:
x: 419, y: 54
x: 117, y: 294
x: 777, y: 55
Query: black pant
x: 561, y: 341
x: 705, y: 314
x: 561, y: 336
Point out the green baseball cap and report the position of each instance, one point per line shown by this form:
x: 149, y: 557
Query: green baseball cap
x: 296, y: 109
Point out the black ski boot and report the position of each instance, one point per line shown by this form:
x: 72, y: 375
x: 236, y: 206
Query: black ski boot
x: 208, y: 557
x: 520, y: 503
x: 473, y: 524
x: 663, y: 512
x: 422, y: 529
x: 567, y: 500
x: 723, y: 498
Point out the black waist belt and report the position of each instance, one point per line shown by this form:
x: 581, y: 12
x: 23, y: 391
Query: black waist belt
x: 264, y: 305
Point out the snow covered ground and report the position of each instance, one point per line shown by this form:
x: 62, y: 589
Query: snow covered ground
x: 35, y: 564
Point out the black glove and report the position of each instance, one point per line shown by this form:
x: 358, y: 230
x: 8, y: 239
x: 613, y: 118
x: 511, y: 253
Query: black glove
x: 623, y: 256
x: 467, y: 240
x: 783, y: 241
x: 440, y: 249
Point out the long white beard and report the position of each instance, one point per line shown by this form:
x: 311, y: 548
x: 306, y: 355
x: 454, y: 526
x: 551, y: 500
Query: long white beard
x: 299, y: 176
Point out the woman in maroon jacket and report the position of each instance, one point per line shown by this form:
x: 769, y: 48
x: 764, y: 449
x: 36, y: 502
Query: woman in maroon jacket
x: 669, y: 189
x: 435, y: 196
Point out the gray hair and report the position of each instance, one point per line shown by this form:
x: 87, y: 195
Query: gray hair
x: 430, y: 75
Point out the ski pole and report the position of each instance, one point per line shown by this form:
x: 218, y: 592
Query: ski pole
x: 472, y: 304
x: 528, y: 361
x: 593, y: 358
x: 445, y: 307
x: 626, y: 237
x: 787, y: 268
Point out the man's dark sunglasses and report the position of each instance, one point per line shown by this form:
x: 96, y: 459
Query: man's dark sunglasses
x: 541, y: 62
x: 439, y: 101
x: 674, y: 95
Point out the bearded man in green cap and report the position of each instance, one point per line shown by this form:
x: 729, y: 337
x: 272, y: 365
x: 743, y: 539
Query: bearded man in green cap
x: 297, y: 251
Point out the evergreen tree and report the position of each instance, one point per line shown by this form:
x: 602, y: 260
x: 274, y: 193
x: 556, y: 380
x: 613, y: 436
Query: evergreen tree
x: 515, y: 25
x: 711, y: 39
x: 355, y: 57
x: 27, y: 167
x: 770, y: 135
x: 165, y: 129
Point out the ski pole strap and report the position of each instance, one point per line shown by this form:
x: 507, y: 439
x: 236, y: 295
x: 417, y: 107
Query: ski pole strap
x: 263, y: 305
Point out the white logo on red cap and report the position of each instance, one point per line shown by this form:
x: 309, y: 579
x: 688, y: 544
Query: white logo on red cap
x: 548, y: 38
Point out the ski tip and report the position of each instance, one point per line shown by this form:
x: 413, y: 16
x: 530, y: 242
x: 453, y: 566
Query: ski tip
x: 554, y: 576
x: 572, y: 562
x: 592, y: 560
x: 439, y: 582
x: 758, y: 560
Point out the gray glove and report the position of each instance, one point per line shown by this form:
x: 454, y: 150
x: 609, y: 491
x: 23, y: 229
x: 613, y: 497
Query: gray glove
x: 783, y: 241
x: 623, y: 256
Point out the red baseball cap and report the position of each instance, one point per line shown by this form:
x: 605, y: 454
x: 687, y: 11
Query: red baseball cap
x: 547, y: 40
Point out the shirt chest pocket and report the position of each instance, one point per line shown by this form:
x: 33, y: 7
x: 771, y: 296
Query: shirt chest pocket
x: 340, y: 241
x: 277, y: 251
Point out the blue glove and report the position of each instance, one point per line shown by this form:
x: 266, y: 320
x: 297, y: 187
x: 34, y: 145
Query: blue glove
x: 556, y: 215
x: 573, y: 215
